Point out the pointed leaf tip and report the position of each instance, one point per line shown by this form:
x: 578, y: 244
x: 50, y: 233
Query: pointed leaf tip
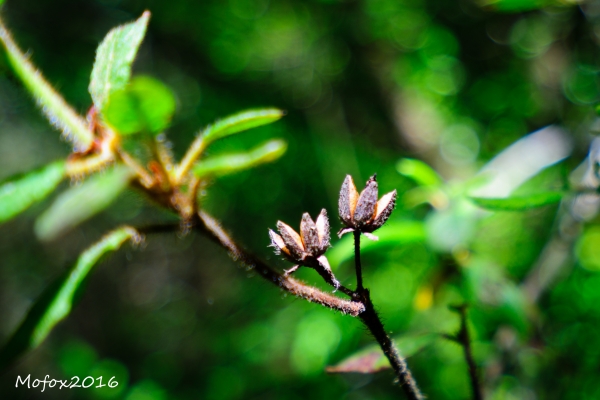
x: 240, y: 122
x: 114, y: 57
x: 231, y: 163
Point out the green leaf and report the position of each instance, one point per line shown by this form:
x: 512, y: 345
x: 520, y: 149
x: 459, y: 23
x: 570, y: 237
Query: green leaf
x: 514, y: 6
x: 59, y: 113
x: 58, y: 300
x: 372, y: 359
x: 419, y: 172
x: 518, y: 203
x: 114, y: 57
x: 395, y: 233
x: 240, y: 122
x: 19, y: 193
x: 230, y: 163
x: 145, y: 105
x: 82, y: 202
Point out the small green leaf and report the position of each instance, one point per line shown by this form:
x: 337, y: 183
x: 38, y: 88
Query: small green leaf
x: 240, y: 122
x: 419, y: 172
x: 58, y: 300
x: 114, y: 58
x: 394, y: 233
x: 518, y: 203
x: 18, y: 193
x: 82, y: 202
x: 145, y: 105
x: 372, y: 359
x: 230, y: 163
x: 59, y: 113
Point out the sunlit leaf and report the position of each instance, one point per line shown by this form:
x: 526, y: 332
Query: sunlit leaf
x: 419, y: 172
x: 114, y: 57
x: 145, y: 105
x: 59, y: 113
x: 518, y: 203
x: 18, y: 193
x: 240, y: 122
x: 393, y: 233
x: 82, y: 202
x: 230, y: 163
x: 513, y: 6
x: 372, y: 359
x: 59, y: 299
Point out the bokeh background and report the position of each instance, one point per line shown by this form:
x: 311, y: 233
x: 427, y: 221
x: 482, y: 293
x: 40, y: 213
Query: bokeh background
x: 365, y: 84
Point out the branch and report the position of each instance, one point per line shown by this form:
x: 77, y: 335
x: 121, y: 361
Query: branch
x: 370, y: 318
x: 464, y: 340
x: 213, y: 229
x: 372, y: 321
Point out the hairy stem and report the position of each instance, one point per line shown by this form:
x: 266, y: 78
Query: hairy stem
x: 213, y: 229
x: 194, y: 151
x: 357, y: 263
x: 372, y: 321
x: 56, y: 109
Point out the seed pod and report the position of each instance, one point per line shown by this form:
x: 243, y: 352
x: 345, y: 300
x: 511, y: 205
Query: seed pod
x: 310, y: 237
x: 347, y: 200
x: 278, y: 243
x: 365, y: 207
x: 292, y: 240
x: 323, y: 231
x: 383, y: 210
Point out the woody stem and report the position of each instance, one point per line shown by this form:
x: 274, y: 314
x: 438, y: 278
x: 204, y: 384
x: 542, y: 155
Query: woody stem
x: 359, y: 282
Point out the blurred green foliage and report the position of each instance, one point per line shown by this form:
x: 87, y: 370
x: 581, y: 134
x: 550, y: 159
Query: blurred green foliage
x: 365, y: 85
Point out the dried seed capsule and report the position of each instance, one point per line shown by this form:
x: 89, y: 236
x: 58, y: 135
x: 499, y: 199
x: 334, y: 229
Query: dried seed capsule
x: 278, y: 243
x: 292, y: 240
x: 383, y: 210
x: 323, y: 231
x: 310, y: 237
x: 365, y: 207
x: 365, y: 213
x: 347, y: 200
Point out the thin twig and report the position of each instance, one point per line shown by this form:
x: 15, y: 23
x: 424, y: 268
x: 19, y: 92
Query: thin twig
x: 214, y: 230
x: 465, y: 341
x: 357, y: 263
x: 372, y: 321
